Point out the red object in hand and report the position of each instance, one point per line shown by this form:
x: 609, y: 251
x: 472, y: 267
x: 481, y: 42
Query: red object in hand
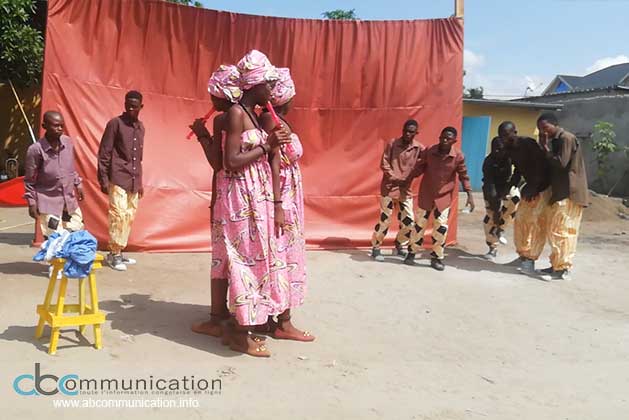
x: 205, y: 118
x: 276, y: 119
x: 278, y: 123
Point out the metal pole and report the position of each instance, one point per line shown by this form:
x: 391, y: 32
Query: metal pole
x: 17, y: 99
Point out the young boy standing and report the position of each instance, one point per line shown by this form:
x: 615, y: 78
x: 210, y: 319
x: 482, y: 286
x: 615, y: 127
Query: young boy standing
x: 501, y: 193
x: 120, y: 175
x: 440, y: 165
x: 398, y: 161
x: 569, y: 194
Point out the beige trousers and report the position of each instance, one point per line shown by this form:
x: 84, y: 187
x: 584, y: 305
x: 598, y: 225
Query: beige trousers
x: 122, y: 208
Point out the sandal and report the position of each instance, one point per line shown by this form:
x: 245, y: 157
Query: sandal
x: 250, y: 346
x: 280, y: 334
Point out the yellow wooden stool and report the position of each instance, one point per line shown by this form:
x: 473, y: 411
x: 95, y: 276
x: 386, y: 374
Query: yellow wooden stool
x: 54, y: 314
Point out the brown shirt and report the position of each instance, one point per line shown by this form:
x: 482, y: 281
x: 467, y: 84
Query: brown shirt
x: 567, y: 169
x: 120, y: 154
x: 398, y: 161
x: 439, y: 179
x: 529, y: 160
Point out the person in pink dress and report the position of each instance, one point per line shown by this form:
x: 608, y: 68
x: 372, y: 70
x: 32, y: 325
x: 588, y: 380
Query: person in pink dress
x: 224, y: 89
x: 244, y: 219
x: 289, y: 197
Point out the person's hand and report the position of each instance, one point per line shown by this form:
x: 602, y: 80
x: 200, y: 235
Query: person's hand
x: 279, y: 220
x: 141, y: 192
x: 470, y: 201
x: 104, y: 189
x: 32, y: 211
x: 79, y: 193
x: 543, y: 141
x: 199, y: 129
x: 279, y: 137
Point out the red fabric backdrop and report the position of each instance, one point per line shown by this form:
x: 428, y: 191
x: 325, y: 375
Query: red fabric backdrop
x: 357, y: 82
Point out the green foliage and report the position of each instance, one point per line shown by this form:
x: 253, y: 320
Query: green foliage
x: 474, y: 93
x: 21, y: 45
x: 187, y: 2
x: 603, y: 144
x: 340, y: 14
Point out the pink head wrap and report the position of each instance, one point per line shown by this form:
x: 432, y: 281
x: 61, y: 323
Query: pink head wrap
x: 284, y: 89
x: 255, y: 69
x: 225, y: 83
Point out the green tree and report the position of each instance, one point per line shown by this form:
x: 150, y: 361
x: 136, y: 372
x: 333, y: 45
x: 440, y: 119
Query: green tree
x: 474, y: 93
x: 603, y: 144
x: 21, y: 45
x: 340, y: 14
x: 187, y: 2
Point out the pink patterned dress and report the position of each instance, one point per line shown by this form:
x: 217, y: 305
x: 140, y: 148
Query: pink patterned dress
x: 243, y: 240
x: 291, y: 246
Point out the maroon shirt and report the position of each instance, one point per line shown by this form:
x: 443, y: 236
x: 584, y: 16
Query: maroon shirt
x: 398, y: 160
x: 51, y: 177
x: 120, y: 154
x: 439, y: 179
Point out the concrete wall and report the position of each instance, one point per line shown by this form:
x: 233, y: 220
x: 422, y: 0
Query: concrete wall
x: 525, y: 119
x: 14, y: 136
x: 580, y: 113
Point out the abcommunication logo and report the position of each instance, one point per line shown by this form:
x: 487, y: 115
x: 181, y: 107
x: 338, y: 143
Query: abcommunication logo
x: 71, y: 385
x: 21, y: 383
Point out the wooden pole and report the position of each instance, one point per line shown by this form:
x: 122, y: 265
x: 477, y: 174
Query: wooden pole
x: 458, y: 8
x: 19, y: 104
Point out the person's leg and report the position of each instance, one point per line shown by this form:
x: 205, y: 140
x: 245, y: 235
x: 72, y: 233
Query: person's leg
x: 539, y: 233
x: 285, y: 330
x: 219, y: 311
x: 44, y: 220
x: 405, y: 217
x: 239, y: 339
x: 563, y: 231
x: 525, y: 230
x: 491, y: 239
x: 117, y: 226
x: 439, y: 236
x: 132, y: 208
x: 510, y: 208
x: 417, y: 235
x: 76, y: 221
x: 530, y: 230
x: 382, y: 227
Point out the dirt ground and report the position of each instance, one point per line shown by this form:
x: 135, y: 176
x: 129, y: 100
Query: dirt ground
x: 478, y: 341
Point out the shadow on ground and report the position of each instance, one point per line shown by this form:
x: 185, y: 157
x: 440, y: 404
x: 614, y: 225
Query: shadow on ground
x: 137, y: 314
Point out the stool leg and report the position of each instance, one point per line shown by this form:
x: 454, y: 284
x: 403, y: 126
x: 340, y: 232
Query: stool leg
x: 54, y: 339
x: 49, y: 292
x: 94, y: 296
x: 82, y: 302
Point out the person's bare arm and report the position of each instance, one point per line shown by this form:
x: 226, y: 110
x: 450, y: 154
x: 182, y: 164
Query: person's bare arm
x: 233, y: 158
x: 268, y: 125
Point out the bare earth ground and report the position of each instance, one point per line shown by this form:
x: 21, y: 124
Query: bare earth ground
x: 478, y: 341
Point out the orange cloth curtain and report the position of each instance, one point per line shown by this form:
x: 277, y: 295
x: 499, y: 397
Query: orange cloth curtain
x: 357, y: 82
